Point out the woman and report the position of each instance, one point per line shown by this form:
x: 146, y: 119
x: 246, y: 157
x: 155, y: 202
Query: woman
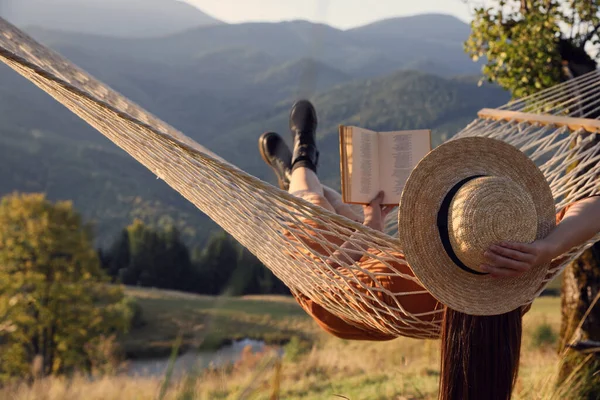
x: 471, y: 344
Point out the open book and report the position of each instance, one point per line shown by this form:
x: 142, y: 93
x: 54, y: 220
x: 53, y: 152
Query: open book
x: 373, y: 161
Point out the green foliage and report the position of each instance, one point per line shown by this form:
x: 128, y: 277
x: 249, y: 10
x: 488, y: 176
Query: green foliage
x: 55, y: 305
x: 252, y: 277
x: 520, y: 40
x: 544, y: 335
x: 225, y: 267
x: 118, y: 256
x: 240, y: 272
x: 296, y: 348
x: 217, y: 264
x: 149, y: 257
x: 144, y: 256
x: 136, y: 311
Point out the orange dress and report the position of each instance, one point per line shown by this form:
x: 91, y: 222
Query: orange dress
x: 413, y: 304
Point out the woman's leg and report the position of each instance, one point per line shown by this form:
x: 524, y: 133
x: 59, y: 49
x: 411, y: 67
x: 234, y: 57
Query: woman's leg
x: 305, y: 183
x: 335, y: 199
x: 305, y: 180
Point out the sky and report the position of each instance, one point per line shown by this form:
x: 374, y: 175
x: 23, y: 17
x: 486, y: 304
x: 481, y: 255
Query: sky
x: 341, y: 14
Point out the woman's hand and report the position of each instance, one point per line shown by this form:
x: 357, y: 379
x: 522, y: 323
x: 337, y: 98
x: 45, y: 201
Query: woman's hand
x: 375, y: 213
x: 509, y: 259
x: 580, y: 223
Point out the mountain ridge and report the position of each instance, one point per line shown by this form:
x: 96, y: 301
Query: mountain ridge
x: 356, y: 52
x: 122, y: 18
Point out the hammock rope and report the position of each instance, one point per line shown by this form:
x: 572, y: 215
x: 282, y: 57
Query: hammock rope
x: 282, y: 230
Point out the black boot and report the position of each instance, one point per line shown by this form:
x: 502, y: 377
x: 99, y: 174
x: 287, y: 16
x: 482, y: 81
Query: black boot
x: 303, y: 124
x: 278, y: 156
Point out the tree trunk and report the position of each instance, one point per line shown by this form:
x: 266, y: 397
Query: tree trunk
x: 580, y: 369
x: 580, y: 286
x: 579, y: 373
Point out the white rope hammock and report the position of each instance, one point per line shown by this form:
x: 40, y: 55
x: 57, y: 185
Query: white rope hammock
x: 283, y: 231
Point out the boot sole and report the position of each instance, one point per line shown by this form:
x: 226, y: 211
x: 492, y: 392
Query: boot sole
x: 263, y: 153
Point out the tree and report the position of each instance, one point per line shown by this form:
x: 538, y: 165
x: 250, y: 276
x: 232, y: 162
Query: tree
x: 252, y: 277
x: 55, y: 306
x: 147, y: 257
x: 144, y: 256
x: 146, y: 252
x: 216, y: 264
x: 529, y: 45
x: 175, y: 270
x: 117, y: 257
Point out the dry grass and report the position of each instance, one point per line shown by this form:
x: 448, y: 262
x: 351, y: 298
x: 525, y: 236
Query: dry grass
x: 399, y: 369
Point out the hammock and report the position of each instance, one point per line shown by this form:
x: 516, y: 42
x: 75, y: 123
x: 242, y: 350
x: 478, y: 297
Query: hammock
x: 272, y: 224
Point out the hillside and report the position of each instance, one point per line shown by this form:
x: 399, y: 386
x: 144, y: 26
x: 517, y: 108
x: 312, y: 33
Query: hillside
x: 107, y: 186
x: 120, y: 18
x: 299, y: 78
x: 224, y: 96
x: 403, y: 100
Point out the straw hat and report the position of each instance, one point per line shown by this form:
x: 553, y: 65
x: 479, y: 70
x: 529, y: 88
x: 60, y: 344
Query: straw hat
x: 464, y: 196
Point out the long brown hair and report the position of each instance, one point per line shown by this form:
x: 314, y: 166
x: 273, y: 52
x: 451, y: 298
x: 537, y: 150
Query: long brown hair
x: 480, y: 355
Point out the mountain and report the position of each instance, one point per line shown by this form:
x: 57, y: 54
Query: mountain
x: 121, y: 18
x: 439, y: 28
x: 106, y: 185
x: 370, y: 51
x: 223, y: 86
x: 434, y: 41
x: 355, y: 51
x: 299, y: 78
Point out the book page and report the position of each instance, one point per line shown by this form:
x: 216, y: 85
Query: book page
x: 399, y: 154
x: 359, y: 164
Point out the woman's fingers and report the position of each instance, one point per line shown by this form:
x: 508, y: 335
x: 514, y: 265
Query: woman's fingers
x: 510, y: 259
x: 497, y: 261
x: 500, y: 272
x: 511, y: 253
x: 377, y: 200
x: 522, y: 247
x: 375, y: 204
x: 372, y: 211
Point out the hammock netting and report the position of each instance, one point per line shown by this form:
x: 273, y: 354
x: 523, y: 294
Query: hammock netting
x: 282, y: 230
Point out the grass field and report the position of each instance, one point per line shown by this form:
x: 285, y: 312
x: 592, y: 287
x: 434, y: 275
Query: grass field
x: 206, y: 322
x: 315, y: 366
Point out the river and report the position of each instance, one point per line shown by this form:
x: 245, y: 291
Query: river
x: 186, y: 362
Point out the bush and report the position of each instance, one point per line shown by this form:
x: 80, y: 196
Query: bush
x: 544, y: 336
x: 137, y: 315
x: 296, y: 348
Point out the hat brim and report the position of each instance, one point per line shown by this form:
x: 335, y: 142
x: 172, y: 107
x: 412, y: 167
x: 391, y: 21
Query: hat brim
x: 419, y: 236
